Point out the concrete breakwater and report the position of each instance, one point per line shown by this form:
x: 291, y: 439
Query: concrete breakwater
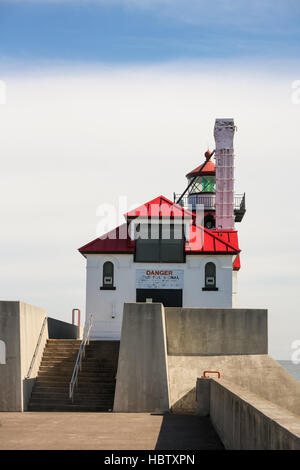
x: 185, y: 343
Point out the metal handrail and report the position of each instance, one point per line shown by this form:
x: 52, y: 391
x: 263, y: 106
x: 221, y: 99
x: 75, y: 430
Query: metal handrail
x: 210, y: 372
x: 36, y: 349
x: 209, y: 201
x: 80, y: 356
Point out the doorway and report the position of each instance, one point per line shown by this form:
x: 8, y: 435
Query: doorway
x: 168, y: 297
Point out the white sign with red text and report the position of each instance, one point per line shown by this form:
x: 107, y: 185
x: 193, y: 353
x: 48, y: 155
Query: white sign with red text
x: 159, y: 278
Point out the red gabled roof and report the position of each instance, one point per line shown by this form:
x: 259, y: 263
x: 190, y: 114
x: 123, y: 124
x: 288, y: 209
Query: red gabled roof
x: 201, y: 240
x: 159, y: 207
x: 115, y: 241
x: 210, y: 169
x: 211, y: 242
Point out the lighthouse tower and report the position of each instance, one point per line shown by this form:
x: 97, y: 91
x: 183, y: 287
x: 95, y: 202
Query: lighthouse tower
x: 201, y: 189
x: 211, y: 185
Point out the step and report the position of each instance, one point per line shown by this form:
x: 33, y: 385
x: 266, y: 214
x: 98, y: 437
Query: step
x: 71, y: 365
x: 64, y: 408
x: 67, y: 369
x: 65, y: 394
x: 88, y: 361
x: 76, y: 401
x: 64, y: 341
x: 60, y: 354
x: 66, y: 380
x: 80, y: 390
x: 80, y: 385
x: 82, y: 374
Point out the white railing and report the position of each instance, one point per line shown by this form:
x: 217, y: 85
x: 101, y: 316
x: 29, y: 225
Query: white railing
x: 36, y: 349
x: 80, y: 356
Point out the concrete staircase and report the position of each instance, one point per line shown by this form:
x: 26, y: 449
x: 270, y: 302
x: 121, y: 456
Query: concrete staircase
x: 96, y: 381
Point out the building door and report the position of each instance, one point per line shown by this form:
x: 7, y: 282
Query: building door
x: 168, y: 297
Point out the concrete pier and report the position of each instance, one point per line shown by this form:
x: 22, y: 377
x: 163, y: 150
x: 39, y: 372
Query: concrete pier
x: 106, y: 431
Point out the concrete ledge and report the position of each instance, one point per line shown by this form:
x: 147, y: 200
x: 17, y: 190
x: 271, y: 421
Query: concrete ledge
x: 142, y: 377
x: 245, y: 421
x: 214, y: 331
x: 62, y: 330
x: 260, y: 374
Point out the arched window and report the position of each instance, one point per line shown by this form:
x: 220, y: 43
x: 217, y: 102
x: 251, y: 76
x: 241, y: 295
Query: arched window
x: 108, y: 276
x: 210, y: 277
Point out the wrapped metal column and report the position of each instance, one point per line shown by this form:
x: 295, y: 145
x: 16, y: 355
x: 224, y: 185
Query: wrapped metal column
x: 224, y: 133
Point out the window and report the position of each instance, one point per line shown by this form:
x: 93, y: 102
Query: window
x: 210, y: 277
x: 165, y: 243
x: 208, y: 184
x: 108, y: 276
x: 209, y: 221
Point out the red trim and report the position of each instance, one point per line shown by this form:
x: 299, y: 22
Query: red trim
x: 237, y: 264
x: 210, y: 169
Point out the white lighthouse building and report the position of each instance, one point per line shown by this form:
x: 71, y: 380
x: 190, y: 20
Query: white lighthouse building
x: 182, y: 253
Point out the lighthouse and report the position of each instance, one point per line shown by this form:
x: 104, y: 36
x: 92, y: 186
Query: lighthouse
x: 163, y: 254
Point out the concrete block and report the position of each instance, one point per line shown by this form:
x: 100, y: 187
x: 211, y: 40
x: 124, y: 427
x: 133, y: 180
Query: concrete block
x: 142, y: 377
x: 214, y: 331
x: 20, y: 327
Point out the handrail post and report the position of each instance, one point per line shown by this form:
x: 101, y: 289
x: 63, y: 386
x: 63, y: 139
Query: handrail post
x: 78, y: 316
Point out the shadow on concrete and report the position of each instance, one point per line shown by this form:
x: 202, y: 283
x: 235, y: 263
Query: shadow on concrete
x: 28, y: 385
x: 186, y: 404
x: 187, y: 432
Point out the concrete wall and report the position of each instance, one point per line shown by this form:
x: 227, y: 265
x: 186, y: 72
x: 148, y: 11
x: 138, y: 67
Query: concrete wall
x: 20, y: 327
x: 10, y: 373
x: 245, y: 421
x: 199, y: 331
x: 104, y: 304
x: 142, y: 377
x: 62, y: 330
x: 260, y: 374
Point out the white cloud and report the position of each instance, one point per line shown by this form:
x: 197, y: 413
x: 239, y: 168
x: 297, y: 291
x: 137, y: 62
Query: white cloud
x: 72, y: 138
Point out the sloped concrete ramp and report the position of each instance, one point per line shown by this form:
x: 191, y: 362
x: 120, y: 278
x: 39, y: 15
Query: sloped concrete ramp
x: 259, y: 374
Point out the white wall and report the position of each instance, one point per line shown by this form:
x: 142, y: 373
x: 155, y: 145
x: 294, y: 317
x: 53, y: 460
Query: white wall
x: 234, y: 288
x: 103, y: 303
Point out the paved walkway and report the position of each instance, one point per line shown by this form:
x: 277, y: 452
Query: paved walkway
x: 108, y: 431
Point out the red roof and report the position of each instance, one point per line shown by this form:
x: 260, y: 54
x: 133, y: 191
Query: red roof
x: 237, y: 264
x: 210, y: 169
x: 211, y: 242
x: 201, y: 240
x: 159, y: 207
x: 115, y: 241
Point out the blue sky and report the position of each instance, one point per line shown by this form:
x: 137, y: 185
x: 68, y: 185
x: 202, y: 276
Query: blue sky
x: 121, y: 31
